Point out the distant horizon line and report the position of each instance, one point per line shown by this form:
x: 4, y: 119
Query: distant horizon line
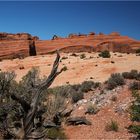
x: 67, y: 36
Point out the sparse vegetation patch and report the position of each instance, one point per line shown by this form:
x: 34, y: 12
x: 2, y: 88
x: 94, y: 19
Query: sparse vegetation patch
x: 112, y: 126
x: 115, y: 80
x: 105, y: 54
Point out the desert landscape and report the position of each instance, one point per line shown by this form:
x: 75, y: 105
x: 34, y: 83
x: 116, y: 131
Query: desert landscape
x: 91, y: 67
x: 69, y: 70
x: 91, y: 103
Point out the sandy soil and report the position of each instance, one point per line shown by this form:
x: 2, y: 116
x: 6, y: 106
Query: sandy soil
x: 79, y: 69
x: 97, y: 130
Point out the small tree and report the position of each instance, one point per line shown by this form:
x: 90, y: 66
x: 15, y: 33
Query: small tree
x: 27, y: 110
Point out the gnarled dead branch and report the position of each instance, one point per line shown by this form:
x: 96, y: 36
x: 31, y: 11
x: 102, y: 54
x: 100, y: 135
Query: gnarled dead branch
x: 32, y: 109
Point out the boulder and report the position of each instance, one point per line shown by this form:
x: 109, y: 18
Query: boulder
x: 77, y: 121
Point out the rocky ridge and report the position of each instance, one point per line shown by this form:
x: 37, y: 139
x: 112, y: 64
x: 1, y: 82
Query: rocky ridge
x: 19, y: 45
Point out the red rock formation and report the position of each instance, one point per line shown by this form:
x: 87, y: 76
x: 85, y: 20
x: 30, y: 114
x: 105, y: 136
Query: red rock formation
x: 18, y: 36
x: 16, y: 45
x: 113, y: 42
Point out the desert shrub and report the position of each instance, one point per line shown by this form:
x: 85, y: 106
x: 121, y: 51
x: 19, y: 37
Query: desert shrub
x: 69, y: 91
x: 63, y: 91
x: 135, y: 86
x: 135, y: 113
x: 91, y: 109
x: 97, y: 84
x: 87, y: 86
x: 115, y: 80
x: 82, y: 56
x: 112, y: 126
x: 76, y: 96
x: 54, y: 104
x: 134, y: 129
x: 105, y: 54
x: 135, y: 107
x: 138, y: 50
x: 133, y: 74
x: 65, y: 68
x: 125, y: 75
x: 6, y: 85
x: 76, y: 87
x: 55, y: 133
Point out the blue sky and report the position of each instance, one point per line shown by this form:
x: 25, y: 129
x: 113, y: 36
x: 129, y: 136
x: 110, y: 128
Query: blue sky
x: 44, y: 18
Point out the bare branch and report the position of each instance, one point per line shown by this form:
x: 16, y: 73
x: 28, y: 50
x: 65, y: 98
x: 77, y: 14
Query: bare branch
x: 29, y: 118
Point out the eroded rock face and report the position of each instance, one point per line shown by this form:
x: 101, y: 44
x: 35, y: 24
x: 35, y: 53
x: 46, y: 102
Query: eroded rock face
x: 18, y: 36
x: 15, y: 45
x: 91, y: 42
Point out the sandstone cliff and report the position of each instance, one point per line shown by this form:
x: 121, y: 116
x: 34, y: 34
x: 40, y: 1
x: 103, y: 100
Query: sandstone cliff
x: 15, y: 45
x: 22, y: 44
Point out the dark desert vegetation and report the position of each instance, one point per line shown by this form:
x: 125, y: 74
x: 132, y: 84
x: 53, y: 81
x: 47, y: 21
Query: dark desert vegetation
x: 115, y: 80
x: 21, y: 111
x: 135, y: 114
x: 105, y: 54
x: 112, y: 126
x: 30, y: 109
x: 56, y: 112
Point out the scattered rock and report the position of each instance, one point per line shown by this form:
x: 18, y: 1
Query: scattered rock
x: 49, y: 124
x: 112, y: 62
x: 77, y: 121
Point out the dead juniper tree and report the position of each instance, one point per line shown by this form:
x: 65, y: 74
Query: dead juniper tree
x: 27, y: 113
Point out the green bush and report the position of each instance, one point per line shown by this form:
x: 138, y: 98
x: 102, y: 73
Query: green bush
x: 65, y: 68
x: 112, y: 126
x: 138, y: 50
x: 87, y: 86
x: 64, y: 91
x: 91, y: 109
x: 69, y: 91
x: 82, y: 56
x: 76, y: 96
x: 6, y: 85
x: 105, y: 54
x: 134, y: 129
x: 76, y: 87
x: 135, y: 86
x: 133, y: 74
x: 135, y: 114
x: 135, y: 107
x: 115, y: 80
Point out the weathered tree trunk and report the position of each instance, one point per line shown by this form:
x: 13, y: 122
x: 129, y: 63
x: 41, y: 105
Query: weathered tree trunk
x: 31, y: 109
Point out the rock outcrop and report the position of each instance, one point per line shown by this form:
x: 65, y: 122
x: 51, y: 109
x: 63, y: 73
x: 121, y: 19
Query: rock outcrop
x: 19, y: 45
x: 16, y: 45
x: 18, y: 36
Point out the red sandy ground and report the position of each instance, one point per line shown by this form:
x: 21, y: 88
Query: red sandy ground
x: 99, y: 121
x: 79, y: 70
